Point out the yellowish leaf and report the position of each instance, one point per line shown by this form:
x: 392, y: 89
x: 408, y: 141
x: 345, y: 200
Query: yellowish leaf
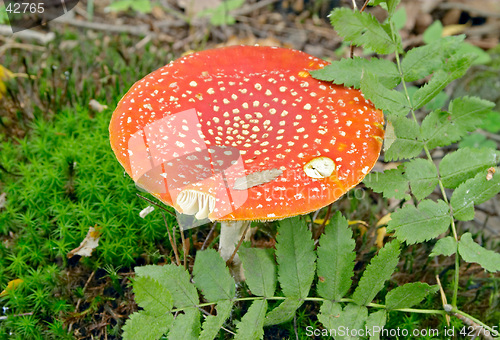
x: 10, y: 286
x: 381, y: 232
x: 453, y: 30
x: 358, y: 222
x: 5, y: 74
x: 384, y: 220
x: 320, y: 221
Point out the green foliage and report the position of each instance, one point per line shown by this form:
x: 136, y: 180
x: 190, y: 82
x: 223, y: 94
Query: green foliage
x: 377, y: 272
x: 260, y: 270
x: 363, y: 29
x: 407, y: 141
x: 418, y: 224
x: 446, y: 246
x: 477, y: 141
x: 443, y: 128
x: 296, y: 258
x: 152, y: 296
x: 408, y: 295
x: 392, y: 101
x: 467, y: 171
x: 143, y: 6
x: 422, y: 61
x: 350, y: 71
x: 220, y: 15
x: 423, y: 177
x: 391, y: 183
x: 252, y: 324
x: 470, y: 251
x: 335, y: 259
x: 216, y: 283
x: 159, y: 288
x: 472, y: 192
x: 459, y: 166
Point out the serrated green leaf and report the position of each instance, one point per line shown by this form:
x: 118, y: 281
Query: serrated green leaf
x: 422, y: 61
x: 470, y: 251
x: 491, y: 122
x: 335, y: 259
x: 408, y: 143
x: 376, y: 321
x: 477, y: 141
x: 212, y: 277
x: 423, y: 177
x: 177, y: 280
x: 391, y: 101
x: 329, y: 313
x: 142, y: 6
x: 453, y: 69
x: 348, y: 72
x: 466, y: 114
x: 390, y: 4
x: 296, y: 257
x: 391, y: 183
x: 352, y: 317
x: 390, y: 136
x: 457, y: 167
x: 213, y: 323
x: 260, y: 270
x: 446, y: 246
x: 433, y: 32
x: 399, y: 18
x: 120, y: 5
x: 472, y: 192
x: 251, y: 326
x: 413, y: 225
x: 283, y: 313
x: 438, y: 101
x: 376, y: 273
x: 186, y: 326
x: 472, y: 109
x: 152, y: 296
x: 362, y: 29
x: 482, y: 57
x: 141, y: 325
x: 408, y: 295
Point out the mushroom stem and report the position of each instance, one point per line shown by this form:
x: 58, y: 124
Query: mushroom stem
x: 230, y: 234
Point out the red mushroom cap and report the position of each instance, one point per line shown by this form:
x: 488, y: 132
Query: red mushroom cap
x: 245, y: 133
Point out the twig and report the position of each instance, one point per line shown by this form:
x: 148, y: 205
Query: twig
x: 250, y: 8
x: 80, y: 299
x: 183, y: 248
x: 156, y: 204
x: 30, y: 35
x: 140, y: 30
x: 174, y: 248
x: 208, y: 236
x: 322, y: 227
x: 230, y: 261
x: 295, y: 326
x: 443, y: 298
x: 468, y: 8
x: 23, y: 314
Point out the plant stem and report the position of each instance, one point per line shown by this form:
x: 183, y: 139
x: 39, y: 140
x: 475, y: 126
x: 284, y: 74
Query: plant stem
x: 493, y: 332
x: 315, y: 299
x: 441, y: 186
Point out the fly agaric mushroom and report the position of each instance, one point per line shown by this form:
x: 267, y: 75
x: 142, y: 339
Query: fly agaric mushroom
x: 245, y: 133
